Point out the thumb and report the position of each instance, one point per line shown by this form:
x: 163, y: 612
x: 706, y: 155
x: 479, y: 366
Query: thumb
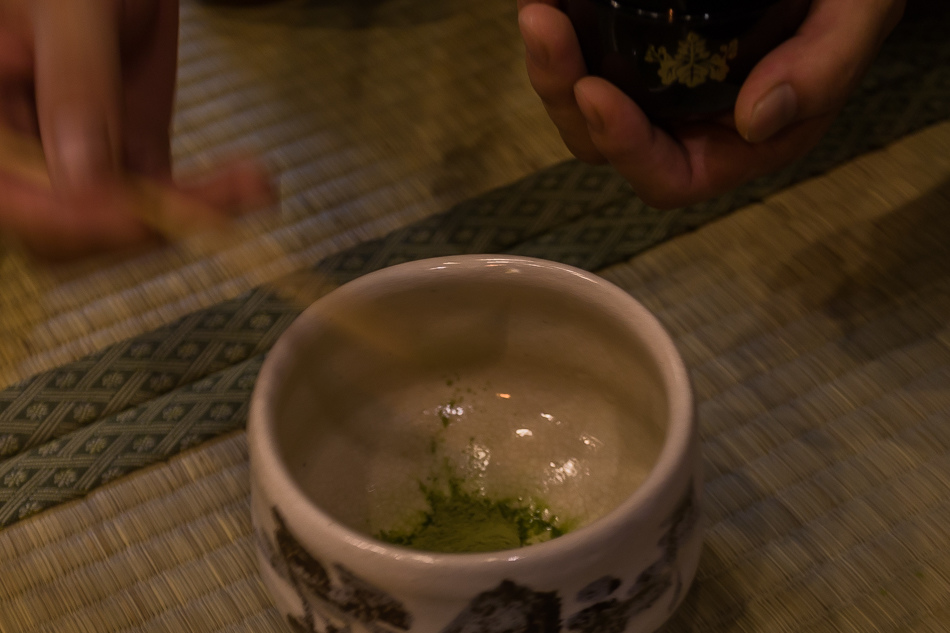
x: 78, y: 90
x: 812, y: 74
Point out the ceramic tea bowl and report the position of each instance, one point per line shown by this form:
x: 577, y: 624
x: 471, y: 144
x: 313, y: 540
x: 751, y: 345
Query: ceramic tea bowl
x: 680, y: 58
x: 475, y: 443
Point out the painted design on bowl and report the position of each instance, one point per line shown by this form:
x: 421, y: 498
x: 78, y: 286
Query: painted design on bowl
x: 693, y: 63
x: 332, y: 602
x: 341, y: 602
x: 510, y: 608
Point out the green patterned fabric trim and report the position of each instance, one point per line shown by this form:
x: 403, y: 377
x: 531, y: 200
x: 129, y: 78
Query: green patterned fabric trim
x: 110, y: 447
x: 66, y: 431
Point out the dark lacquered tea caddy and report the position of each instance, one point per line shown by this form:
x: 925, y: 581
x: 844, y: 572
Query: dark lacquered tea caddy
x: 680, y: 58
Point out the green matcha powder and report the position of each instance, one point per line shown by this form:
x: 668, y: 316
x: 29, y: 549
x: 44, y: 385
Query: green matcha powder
x: 459, y: 521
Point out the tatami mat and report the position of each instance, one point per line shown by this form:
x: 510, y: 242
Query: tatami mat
x: 815, y: 329
x: 371, y: 116
x: 814, y: 324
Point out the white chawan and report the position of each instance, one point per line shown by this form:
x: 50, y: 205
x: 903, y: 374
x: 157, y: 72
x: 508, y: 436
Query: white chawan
x: 526, y: 380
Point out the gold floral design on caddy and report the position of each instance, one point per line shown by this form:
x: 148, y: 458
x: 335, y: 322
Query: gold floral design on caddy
x: 693, y: 64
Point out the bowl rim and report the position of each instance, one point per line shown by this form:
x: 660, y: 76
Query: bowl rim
x: 298, y: 509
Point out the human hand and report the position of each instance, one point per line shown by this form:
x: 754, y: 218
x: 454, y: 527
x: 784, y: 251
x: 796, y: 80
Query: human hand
x: 784, y: 107
x: 94, y: 80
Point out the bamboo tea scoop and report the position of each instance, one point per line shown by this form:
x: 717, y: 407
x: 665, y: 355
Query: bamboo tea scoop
x: 166, y: 211
x: 174, y: 216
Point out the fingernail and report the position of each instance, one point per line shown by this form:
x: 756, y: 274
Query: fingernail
x: 535, y: 49
x: 595, y: 122
x: 772, y: 113
x: 83, y: 152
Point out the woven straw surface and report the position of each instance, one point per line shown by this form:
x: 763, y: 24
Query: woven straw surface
x: 814, y: 324
x: 815, y: 328
x: 370, y: 114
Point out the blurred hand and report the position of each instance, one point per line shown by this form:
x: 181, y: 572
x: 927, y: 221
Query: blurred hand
x: 783, y: 109
x: 94, y: 80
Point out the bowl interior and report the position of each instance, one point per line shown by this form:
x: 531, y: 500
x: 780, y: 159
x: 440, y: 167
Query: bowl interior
x: 517, y: 382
